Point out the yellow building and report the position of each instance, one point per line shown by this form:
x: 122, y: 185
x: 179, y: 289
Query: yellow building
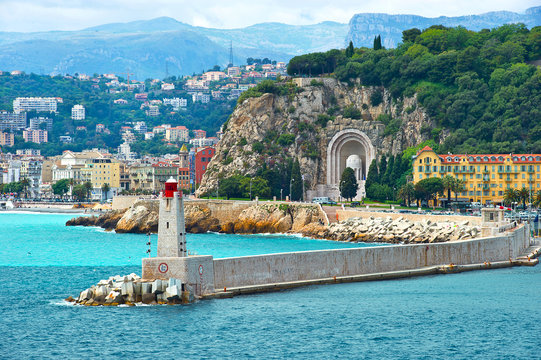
x: 486, y: 176
x: 102, y: 171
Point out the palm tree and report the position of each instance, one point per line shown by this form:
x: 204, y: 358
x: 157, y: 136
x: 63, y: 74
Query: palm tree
x: 523, y: 195
x: 88, y: 188
x: 448, y: 182
x: 510, y: 196
x: 406, y: 193
x: 25, y: 183
x: 458, y: 186
x: 71, y: 183
x: 105, y: 190
x: 537, y: 199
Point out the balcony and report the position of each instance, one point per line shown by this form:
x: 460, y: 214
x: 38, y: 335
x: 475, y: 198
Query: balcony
x: 507, y: 171
x: 508, y: 178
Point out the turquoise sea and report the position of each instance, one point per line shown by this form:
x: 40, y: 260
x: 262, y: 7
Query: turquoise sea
x: 478, y: 315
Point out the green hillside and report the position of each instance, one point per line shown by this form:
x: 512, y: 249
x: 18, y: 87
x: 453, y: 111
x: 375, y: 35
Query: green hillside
x: 100, y: 108
x: 478, y: 86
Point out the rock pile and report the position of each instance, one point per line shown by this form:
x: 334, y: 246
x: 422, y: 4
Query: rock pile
x: 400, y: 230
x: 131, y: 289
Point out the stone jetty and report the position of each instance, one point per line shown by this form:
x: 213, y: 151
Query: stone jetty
x: 399, y: 230
x: 131, y: 290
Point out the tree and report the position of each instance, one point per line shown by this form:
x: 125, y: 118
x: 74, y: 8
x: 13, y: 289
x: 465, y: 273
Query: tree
x: 448, y: 183
x: 524, y: 195
x: 230, y: 187
x: 458, y: 186
x: 24, y: 182
x: 382, y: 168
x: 296, y: 181
x: 429, y: 189
x: 537, y: 199
x: 373, y: 174
x: 105, y: 190
x: 387, y: 178
x: 406, y: 193
x: 510, y: 196
x: 61, y: 187
x: 79, y: 192
x: 348, y: 184
x: 350, y: 50
x: 88, y: 188
x: 377, y: 42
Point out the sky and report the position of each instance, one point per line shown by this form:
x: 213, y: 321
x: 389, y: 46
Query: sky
x: 45, y: 15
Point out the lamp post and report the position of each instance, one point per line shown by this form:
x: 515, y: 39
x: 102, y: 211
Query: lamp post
x: 281, y: 191
x: 290, y: 189
x: 302, y: 176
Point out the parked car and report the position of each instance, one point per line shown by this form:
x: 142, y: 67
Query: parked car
x: 355, y: 204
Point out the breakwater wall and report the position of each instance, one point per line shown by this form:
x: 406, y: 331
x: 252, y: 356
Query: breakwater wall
x: 311, y: 265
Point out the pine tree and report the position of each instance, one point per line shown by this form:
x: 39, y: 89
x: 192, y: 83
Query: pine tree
x: 348, y: 184
x: 389, y: 172
x: 296, y: 181
x: 377, y: 42
x: 350, y: 50
x: 382, y: 169
x: 397, y: 170
x: 373, y: 174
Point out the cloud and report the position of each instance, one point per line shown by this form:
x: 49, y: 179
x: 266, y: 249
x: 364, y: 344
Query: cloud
x: 44, y: 15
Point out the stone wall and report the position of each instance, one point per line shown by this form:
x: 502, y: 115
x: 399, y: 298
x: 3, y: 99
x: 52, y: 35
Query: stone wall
x: 310, y: 265
x: 122, y: 202
x: 347, y: 214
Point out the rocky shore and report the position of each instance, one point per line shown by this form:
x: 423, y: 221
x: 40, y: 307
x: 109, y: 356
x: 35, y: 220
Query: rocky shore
x: 305, y: 219
x: 142, y: 217
x: 131, y: 290
x: 400, y: 230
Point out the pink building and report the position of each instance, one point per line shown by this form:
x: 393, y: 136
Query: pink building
x: 35, y: 136
x: 199, y: 134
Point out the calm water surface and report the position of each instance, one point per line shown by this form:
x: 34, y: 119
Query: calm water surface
x: 482, y: 315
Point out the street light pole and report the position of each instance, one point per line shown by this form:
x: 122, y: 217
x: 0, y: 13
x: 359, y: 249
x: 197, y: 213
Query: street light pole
x: 250, y: 189
x: 290, y: 189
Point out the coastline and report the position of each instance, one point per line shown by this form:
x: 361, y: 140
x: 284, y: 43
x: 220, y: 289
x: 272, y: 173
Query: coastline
x: 52, y: 210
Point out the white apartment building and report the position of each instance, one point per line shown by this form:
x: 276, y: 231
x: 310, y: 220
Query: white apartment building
x: 176, y: 103
x: 153, y: 110
x: 201, y: 97
x: 48, y: 104
x: 78, y: 112
x: 202, y: 142
x: 140, y: 127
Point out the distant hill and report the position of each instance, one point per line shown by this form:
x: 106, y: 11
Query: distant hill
x: 146, y: 46
x: 364, y: 27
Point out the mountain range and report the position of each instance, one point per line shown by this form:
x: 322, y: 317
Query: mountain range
x: 164, y: 46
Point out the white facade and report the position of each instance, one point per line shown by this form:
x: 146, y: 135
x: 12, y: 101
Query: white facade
x: 201, y: 97
x: 35, y: 103
x: 201, y: 142
x: 153, y: 110
x: 140, y: 127
x: 78, y: 112
x: 176, y: 103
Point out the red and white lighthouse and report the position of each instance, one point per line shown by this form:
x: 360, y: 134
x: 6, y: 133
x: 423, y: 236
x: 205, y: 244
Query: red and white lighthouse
x: 171, y: 224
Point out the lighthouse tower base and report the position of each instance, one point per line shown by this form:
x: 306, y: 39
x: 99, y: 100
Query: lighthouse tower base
x: 194, y: 271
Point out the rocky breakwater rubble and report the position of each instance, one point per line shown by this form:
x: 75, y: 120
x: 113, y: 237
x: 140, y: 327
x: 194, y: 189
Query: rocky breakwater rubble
x: 131, y: 290
x: 399, y: 230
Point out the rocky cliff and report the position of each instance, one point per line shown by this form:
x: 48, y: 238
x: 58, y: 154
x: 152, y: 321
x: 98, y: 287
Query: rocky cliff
x: 271, y: 128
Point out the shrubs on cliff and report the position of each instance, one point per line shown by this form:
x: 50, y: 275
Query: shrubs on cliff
x: 264, y: 87
x: 476, y: 84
